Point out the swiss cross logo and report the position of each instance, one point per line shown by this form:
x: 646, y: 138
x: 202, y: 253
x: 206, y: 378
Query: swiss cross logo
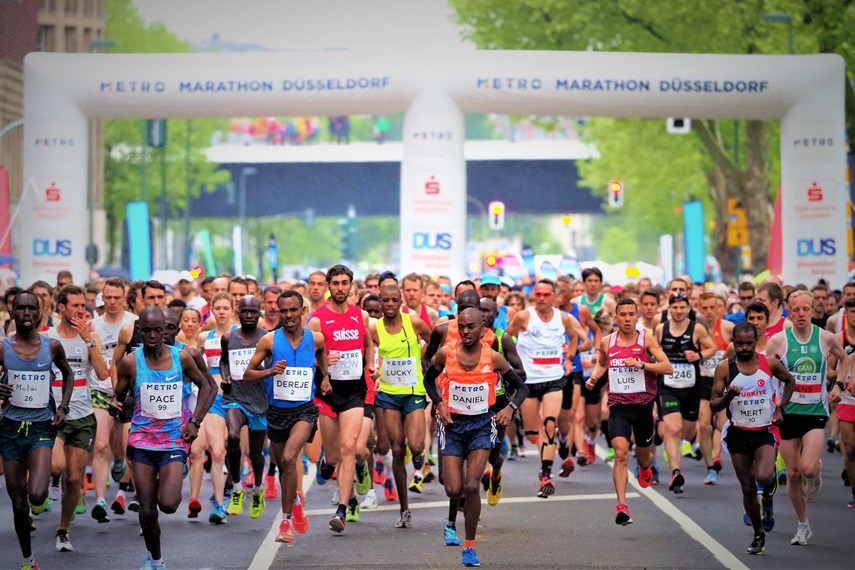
x: 761, y: 382
x: 52, y: 193
x: 432, y: 186
x: 814, y: 193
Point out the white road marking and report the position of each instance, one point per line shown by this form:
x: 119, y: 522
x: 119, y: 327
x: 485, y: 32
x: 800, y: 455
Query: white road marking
x: 444, y: 504
x: 690, y: 527
x: 266, y: 553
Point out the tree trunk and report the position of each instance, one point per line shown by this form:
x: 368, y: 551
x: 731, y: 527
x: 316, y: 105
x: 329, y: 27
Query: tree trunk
x: 719, y: 193
x: 753, y: 190
x: 111, y: 237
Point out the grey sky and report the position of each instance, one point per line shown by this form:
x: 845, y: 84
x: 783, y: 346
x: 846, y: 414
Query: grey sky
x: 310, y: 24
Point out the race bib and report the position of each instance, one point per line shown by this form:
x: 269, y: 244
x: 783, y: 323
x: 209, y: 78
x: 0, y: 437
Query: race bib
x: 751, y: 412
x: 468, y: 399
x: 349, y: 366
x: 808, y: 389
x: 683, y: 376
x: 400, y: 372
x: 238, y: 361
x: 587, y: 370
x: 626, y: 380
x: 29, y: 389
x: 161, y: 400
x: 213, y: 350
x: 546, y: 360
x: 80, y: 392
x: 293, y: 386
x: 708, y: 365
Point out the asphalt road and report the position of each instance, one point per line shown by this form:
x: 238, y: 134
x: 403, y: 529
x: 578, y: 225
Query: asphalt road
x: 574, y: 528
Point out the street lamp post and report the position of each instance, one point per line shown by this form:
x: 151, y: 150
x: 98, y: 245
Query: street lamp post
x: 244, y: 172
x: 782, y: 19
x: 91, y: 248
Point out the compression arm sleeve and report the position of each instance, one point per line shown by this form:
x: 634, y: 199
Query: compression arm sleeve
x: 430, y: 384
x: 516, y: 383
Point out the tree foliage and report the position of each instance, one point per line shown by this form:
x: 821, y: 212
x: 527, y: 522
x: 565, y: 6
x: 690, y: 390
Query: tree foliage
x: 659, y: 166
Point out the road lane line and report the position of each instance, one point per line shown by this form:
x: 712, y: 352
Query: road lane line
x: 444, y: 504
x: 266, y: 553
x: 690, y: 527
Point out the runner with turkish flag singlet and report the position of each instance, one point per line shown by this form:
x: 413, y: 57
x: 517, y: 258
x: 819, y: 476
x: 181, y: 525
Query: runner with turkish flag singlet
x: 803, y: 350
x: 632, y: 359
x: 712, y: 308
x: 285, y: 361
x: 401, y: 396
x: 31, y: 416
x: 540, y: 334
x: 214, y: 426
x: 744, y: 389
x: 846, y: 407
x: 349, y: 352
x: 468, y: 371
x: 686, y: 343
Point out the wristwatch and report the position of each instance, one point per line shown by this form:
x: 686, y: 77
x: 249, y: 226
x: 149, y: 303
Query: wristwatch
x: 91, y: 343
x: 513, y: 406
x: 64, y: 409
x: 840, y: 385
x: 195, y: 422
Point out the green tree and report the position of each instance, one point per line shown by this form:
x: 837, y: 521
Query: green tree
x: 186, y: 176
x: 717, y: 26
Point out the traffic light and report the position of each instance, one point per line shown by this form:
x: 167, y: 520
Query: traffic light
x: 349, y: 236
x: 496, y: 215
x: 565, y: 220
x: 615, y: 194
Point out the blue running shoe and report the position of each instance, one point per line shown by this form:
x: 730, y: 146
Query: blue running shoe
x: 450, y: 536
x: 469, y: 558
x: 768, y: 519
x: 318, y: 477
x: 305, y: 464
x: 746, y: 519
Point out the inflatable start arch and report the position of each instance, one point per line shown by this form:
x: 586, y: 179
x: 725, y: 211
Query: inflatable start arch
x: 434, y: 90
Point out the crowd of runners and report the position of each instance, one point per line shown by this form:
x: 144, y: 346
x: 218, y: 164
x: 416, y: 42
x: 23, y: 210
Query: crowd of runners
x: 395, y: 383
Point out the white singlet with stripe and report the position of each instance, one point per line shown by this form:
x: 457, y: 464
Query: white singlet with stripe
x: 541, y: 348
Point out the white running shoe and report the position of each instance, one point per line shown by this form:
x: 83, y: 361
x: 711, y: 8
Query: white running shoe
x: 54, y: 492
x: 803, y: 533
x: 370, y: 501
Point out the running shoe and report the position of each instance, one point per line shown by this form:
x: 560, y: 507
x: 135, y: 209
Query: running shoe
x: 32, y: 524
x: 39, y: 509
x: 746, y: 520
x: 655, y: 470
x: 148, y: 563
x: 591, y: 452
x: 305, y: 461
x: 319, y: 478
x: 829, y: 444
x: 406, y: 520
x: 521, y: 453
x: 645, y: 477
x: 33, y: 566
x: 218, y: 515
x: 337, y: 524
x: 515, y: 452
x: 299, y: 520
x: 256, y: 507
x: 546, y: 488
x: 370, y: 501
x: 803, y: 533
x: 712, y: 477
x: 99, y: 511
x: 236, y: 502
x: 54, y: 491
x: 782, y: 477
x: 716, y: 464
x: 610, y: 455
x: 768, y: 519
x: 117, y: 469
x: 389, y: 490
x: 686, y: 449
x: 80, y: 509
x: 567, y: 467
x: 88, y: 484
x: 758, y: 545
x: 379, y: 472
x: 118, y: 505
x: 418, y: 460
x: 352, y: 513
x: 363, y: 478
x: 325, y: 470
x: 469, y: 558
x: 485, y: 479
x: 62, y: 542
x: 845, y: 476
x: 450, y: 536
x: 408, y: 455
x: 430, y: 459
x: 271, y: 489
x: 851, y: 503
x: 427, y: 474
x: 249, y: 480
x: 677, y: 482
x: 582, y: 459
x: 334, y: 498
x: 285, y: 534
x: 134, y: 505
x: 494, y: 493
x: 416, y: 483
x: 194, y: 507
x: 622, y: 516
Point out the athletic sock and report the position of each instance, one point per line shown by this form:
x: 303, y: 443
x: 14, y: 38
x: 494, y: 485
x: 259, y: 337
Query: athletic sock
x: 286, y: 516
x: 297, y: 499
x: 341, y: 511
x: 451, y: 524
x: 469, y: 544
x: 546, y: 468
x: 352, y: 502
